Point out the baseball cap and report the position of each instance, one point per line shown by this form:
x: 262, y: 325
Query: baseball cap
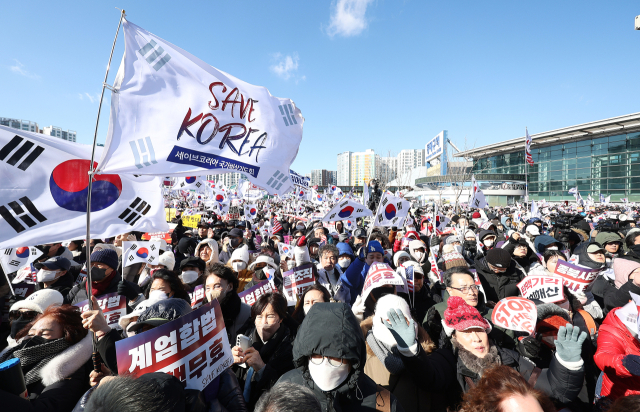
x: 594, y: 247
x: 54, y: 263
x: 359, y: 232
x: 162, y: 312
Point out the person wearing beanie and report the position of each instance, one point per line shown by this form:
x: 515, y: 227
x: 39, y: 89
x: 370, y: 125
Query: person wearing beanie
x: 104, y: 279
x: 384, y: 364
x: 301, y: 252
x: 474, y: 353
x: 453, y: 259
x: 239, y: 262
x: 357, y: 271
x: 499, y: 275
x: 400, y: 257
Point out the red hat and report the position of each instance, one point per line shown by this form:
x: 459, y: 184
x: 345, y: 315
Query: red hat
x: 476, y: 215
x: 460, y: 316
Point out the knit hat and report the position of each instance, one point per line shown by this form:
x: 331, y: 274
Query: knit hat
x: 39, y: 301
x: 344, y: 249
x: 301, y: 251
x: 460, y: 316
x: 386, y: 303
x: 453, y: 259
x: 499, y: 258
x: 622, y: 268
x: 107, y: 256
x: 193, y: 261
x: 452, y: 239
x: 397, y: 256
x: 476, y: 215
x: 167, y: 259
x: 241, y: 253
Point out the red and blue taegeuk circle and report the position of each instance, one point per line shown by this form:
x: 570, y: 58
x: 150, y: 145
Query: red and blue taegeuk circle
x: 219, y: 198
x: 69, y: 187
x: 390, y: 211
x: 320, y: 198
x: 143, y: 252
x: 22, y: 252
x: 190, y: 179
x: 252, y: 212
x: 346, y: 212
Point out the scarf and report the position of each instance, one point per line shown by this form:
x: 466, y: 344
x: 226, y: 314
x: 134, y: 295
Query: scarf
x: 390, y: 357
x: 475, y: 364
x: 98, y: 288
x: 34, y: 358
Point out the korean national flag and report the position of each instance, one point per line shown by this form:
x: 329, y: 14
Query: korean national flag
x: 44, y: 193
x: 140, y: 252
x: 391, y: 210
x: 347, y: 209
x: 250, y: 211
x: 16, y: 258
x: 285, y: 250
x: 190, y: 183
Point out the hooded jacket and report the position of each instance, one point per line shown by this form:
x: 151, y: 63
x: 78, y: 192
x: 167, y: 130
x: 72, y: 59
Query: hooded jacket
x: 499, y: 285
x: 331, y: 329
x: 214, y: 250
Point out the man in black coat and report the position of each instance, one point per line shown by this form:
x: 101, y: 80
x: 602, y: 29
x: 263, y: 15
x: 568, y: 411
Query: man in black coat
x: 499, y: 275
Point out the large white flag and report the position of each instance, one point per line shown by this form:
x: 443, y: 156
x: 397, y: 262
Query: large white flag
x: 173, y: 114
x: 44, y: 193
x: 348, y: 209
x: 140, y: 252
x: 190, y: 183
x: 391, y: 210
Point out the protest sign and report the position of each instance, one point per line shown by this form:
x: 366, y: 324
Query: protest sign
x: 380, y: 274
x: 140, y: 252
x: 170, y: 213
x: 297, y: 280
x: 628, y: 314
x: 251, y: 295
x: 574, y: 277
x: 113, y: 307
x: 191, y: 221
x: 547, y: 289
x: 194, y: 348
x: 166, y: 236
x: 197, y: 296
x: 515, y: 313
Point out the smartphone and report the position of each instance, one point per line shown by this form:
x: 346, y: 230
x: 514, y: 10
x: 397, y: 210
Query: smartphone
x: 244, y: 343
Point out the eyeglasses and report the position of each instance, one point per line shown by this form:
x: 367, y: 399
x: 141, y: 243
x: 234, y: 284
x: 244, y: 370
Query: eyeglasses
x: 28, y: 315
x: 318, y: 359
x: 466, y: 289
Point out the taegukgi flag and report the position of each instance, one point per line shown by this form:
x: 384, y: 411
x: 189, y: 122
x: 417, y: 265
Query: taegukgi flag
x: 250, y: 211
x: 15, y: 258
x: 347, y: 209
x: 391, y: 210
x: 173, y: 114
x: 140, y: 252
x: 190, y: 183
x: 44, y: 193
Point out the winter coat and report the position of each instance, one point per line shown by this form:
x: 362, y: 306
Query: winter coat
x: 499, y: 285
x: 338, y: 290
x: 602, y: 287
x: 214, y: 250
x: 330, y: 329
x: 65, y: 379
x: 275, y: 353
x: 79, y: 292
x: 402, y: 386
x: 235, y: 314
x: 424, y: 300
x: 616, y: 298
x: 614, y: 343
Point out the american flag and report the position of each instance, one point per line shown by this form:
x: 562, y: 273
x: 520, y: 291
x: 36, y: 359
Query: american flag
x: 275, y: 226
x: 527, y: 148
x: 409, y: 273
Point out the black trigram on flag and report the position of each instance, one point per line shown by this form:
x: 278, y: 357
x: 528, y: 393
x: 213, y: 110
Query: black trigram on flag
x: 20, y: 213
x: 20, y: 155
x: 135, y: 211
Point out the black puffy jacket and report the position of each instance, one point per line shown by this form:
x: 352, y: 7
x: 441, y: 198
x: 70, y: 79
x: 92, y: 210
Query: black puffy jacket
x: 331, y: 329
x: 499, y: 285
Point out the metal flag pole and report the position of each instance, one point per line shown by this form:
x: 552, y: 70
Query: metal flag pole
x: 526, y: 168
x: 91, y: 173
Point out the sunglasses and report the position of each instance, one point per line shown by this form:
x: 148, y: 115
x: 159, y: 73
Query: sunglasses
x: 28, y: 315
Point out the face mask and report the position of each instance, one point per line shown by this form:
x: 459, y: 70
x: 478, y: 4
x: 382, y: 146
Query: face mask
x: 266, y: 331
x: 235, y: 242
x: 98, y: 274
x: 470, y: 244
x: 189, y: 276
x: 326, y: 376
x: 458, y: 248
x: 33, y: 341
x: 306, y: 308
x: 344, y: 263
x: 291, y: 264
x: 157, y: 295
x: 238, y: 266
x: 488, y: 242
x: 45, y: 275
x: 552, y: 248
x: 18, y: 325
x: 419, y: 255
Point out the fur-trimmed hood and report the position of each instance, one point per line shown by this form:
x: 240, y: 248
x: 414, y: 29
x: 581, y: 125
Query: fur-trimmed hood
x: 423, y: 337
x: 547, y: 310
x: 65, y: 363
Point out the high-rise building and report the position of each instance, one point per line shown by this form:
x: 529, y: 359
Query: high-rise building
x: 55, y: 131
x: 388, y: 169
x: 228, y: 179
x: 409, y: 159
x: 344, y: 169
x: 19, y: 124
x: 333, y: 177
x: 363, y: 167
x: 322, y: 177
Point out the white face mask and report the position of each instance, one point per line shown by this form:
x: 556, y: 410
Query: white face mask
x: 326, y: 376
x: 419, y: 256
x: 156, y: 295
x: 306, y: 308
x: 488, y: 242
x: 238, y: 266
x: 344, y: 263
x: 44, y: 275
x: 552, y: 248
x: 189, y: 276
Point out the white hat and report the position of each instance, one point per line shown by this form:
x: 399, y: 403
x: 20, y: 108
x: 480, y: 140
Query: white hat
x: 398, y: 255
x: 39, y: 300
x: 168, y: 260
x: 301, y: 253
x: 264, y: 259
x: 242, y: 253
x: 533, y: 230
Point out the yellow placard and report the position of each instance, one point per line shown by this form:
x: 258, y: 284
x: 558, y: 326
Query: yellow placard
x: 191, y: 221
x: 170, y: 213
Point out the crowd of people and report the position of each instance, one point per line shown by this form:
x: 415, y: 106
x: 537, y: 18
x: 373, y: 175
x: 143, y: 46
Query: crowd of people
x: 344, y: 345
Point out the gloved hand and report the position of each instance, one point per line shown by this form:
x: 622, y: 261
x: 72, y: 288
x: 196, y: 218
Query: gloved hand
x: 127, y: 290
x: 405, y: 335
x: 632, y: 364
x: 569, y: 343
x: 529, y: 346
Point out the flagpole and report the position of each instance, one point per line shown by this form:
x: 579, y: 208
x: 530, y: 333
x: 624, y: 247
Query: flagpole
x: 526, y: 168
x: 96, y: 366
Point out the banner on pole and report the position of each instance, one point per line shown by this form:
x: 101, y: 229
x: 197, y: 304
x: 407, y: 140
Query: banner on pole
x: 113, y: 307
x: 515, y: 313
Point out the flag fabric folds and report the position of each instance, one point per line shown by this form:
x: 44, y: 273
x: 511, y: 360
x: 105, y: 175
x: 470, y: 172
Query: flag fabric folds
x: 347, y: 209
x: 527, y: 149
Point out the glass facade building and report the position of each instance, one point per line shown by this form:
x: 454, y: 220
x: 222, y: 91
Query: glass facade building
x: 597, y: 160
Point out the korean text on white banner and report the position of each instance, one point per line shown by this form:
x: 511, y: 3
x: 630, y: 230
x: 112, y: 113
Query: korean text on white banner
x: 15, y: 258
x: 173, y: 114
x: 194, y: 348
x: 44, y: 193
x: 391, y: 210
x: 515, y: 313
x: 297, y: 280
x: 251, y: 295
x: 347, y: 209
x: 628, y: 314
x: 547, y: 289
x: 113, y: 307
x: 380, y: 274
x: 140, y: 252
x: 574, y: 277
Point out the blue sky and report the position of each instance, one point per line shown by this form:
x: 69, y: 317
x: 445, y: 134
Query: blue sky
x: 386, y: 75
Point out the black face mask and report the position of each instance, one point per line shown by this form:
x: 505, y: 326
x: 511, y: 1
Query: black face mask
x: 260, y: 274
x: 97, y: 274
x: 470, y: 244
x: 33, y: 341
x: 17, y: 325
x: 235, y: 242
x: 45, y: 250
